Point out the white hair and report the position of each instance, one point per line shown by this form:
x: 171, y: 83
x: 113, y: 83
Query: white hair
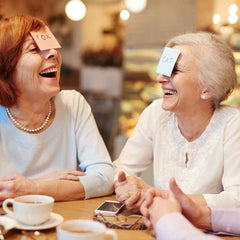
x: 215, y: 61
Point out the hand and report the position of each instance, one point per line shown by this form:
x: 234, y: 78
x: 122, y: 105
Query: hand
x: 63, y: 175
x: 198, y: 215
x: 157, y: 204
x: 130, y: 190
x: 154, y: 192
x: 159, y: 208
x: 14, y: 185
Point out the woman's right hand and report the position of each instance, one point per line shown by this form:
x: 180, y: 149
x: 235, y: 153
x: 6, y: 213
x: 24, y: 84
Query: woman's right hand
x: 15, y: 185
x: 63, y: 175
x: 130, y: 190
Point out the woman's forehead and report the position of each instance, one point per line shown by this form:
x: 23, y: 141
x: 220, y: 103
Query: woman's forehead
x: 185, y: 51
x: 28, y: 39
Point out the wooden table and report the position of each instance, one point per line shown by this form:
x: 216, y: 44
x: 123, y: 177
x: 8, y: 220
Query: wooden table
x: 83, y: 209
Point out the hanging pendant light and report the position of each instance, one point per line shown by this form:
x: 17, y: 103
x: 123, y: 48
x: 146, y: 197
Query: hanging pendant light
x: 75, y: 10
x: 124, y: 14
x: 135, y: 6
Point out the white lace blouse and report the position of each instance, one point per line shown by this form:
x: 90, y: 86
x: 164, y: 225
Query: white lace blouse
x: 213, y: 167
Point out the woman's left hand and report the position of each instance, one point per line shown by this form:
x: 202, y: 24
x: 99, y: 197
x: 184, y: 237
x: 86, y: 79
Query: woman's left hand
x: 63, y: 175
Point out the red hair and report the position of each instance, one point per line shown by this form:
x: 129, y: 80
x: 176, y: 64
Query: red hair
x: 14, y: 31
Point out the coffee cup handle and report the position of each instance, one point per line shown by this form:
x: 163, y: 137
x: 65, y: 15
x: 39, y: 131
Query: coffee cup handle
x: 5, y: 207
x: 111, y: 233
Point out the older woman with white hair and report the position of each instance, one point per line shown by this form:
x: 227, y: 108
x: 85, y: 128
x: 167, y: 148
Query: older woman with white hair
x: 188, y: 134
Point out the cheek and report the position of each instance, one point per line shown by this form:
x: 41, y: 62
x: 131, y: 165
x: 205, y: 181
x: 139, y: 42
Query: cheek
x: 26, y: 73
x: 59, y: 58
x: 28, y: 67
x: 28, y: 64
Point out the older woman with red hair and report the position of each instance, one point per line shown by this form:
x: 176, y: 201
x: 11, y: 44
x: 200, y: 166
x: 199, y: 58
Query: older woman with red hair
x: 44, y: 132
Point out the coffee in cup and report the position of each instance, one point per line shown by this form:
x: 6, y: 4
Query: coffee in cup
x: 30, y: 209
x: 81, y: 229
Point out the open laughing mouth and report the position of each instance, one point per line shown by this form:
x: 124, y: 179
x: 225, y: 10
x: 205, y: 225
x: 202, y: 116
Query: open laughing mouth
x: 168, y: 92
x: 49, y: 73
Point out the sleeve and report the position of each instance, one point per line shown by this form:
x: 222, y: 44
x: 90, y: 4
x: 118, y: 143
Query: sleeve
x: 92, y: 154
x: 175, y: 226
x: 230, y: 196
x: 137, y: 153
x: 226, y: 220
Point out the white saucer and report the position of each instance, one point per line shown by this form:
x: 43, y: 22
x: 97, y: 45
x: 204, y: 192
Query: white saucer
x: 9, y: 223
x: 55, y: 219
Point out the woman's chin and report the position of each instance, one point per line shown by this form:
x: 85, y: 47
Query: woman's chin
x: 55, y: 91
x: 168, y: 105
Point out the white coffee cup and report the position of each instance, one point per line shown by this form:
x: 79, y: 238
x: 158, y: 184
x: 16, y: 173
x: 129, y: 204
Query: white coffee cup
x: 80, y: 229
x: 30, y: 209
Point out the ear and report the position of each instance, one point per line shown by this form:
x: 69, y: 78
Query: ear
x: 205, y: 95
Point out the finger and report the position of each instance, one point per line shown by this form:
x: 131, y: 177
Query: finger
x: 148, y: 223
x: 186, y: 202
x: 122, y: 197
x: 75, y: 172
x: 8, y: 178
x: 122, y: 176
x: 144, y: 209
x: 171, y: 195
x: 131, y: 201
x: 69, y: 177
x: 176, y: 191
x: 5, y: 194
x: 6, y: 190
x: 149, y: 195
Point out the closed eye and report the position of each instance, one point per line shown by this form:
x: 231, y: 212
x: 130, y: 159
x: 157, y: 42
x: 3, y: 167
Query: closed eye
x: 175, y: 70
x: 33, y: 49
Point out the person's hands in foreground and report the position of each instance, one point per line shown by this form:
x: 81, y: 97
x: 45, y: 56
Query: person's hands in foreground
x: 198, y: 215
x: 130, y: 190
x: 156, y: 205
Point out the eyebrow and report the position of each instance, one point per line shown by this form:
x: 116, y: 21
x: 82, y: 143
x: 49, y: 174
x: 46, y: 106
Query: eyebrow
x: 27, y: 43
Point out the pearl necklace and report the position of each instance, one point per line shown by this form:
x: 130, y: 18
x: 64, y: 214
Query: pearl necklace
x: 28, y: 129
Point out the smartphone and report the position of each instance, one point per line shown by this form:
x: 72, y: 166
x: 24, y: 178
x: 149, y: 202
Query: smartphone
x: 109, y: 208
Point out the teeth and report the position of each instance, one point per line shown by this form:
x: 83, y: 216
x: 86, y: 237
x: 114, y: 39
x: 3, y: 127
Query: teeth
x: 49, y: 70
x: 169, y: 92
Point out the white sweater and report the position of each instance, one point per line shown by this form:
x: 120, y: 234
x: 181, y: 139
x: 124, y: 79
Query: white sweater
x: 213, y: 167
x: 72, y: 138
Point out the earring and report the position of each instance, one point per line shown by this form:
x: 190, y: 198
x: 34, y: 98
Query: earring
x: 203, y: 96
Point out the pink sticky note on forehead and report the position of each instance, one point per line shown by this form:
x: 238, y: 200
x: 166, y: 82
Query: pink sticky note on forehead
x: 45, y: 39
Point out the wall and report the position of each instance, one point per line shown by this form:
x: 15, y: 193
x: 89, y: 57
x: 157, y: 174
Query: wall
x: 205, y: 11
x: 98, y: 17
x: 71, y: 54
x: 160, y: 21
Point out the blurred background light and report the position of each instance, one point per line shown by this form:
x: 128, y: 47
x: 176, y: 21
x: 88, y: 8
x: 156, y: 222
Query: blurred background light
x: 233, y: 18
x: 216, y: 18
x: 135, y: 5
x: 75, y: 10
x: 124, y: 14
x: 232, y: 9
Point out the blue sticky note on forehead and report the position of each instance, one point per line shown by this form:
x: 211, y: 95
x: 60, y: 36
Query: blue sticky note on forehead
x: 167, y: 61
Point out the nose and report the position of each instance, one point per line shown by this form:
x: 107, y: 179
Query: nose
x: 163, y: 78
x: 50, y: 53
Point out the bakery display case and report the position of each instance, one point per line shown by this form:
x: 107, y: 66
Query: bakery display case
x: 139, y: 87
